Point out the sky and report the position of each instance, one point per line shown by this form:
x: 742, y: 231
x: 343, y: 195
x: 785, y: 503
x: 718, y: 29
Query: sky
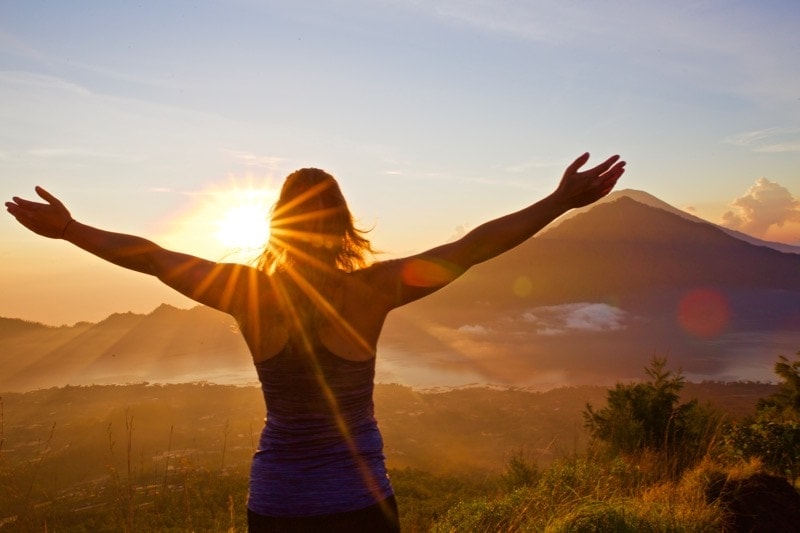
x: 175, y: 120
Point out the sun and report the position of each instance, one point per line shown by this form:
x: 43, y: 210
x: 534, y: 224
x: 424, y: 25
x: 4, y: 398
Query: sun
x: 224, y: 222
x: 243, y: 221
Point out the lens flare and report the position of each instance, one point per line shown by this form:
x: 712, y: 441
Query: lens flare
x: 522, y: 286
x: 704, y: 312
x: 429, y: 273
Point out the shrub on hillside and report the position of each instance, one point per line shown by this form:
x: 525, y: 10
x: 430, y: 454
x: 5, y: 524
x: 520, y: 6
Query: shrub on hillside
x: 648, y: 416
x: 773, y: 434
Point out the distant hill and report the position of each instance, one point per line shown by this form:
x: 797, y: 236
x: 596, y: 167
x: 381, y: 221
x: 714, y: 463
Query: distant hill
x: 166, y: 345
x: 589, y: 301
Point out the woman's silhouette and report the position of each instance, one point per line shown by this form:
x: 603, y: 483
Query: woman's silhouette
x: 311, y: 313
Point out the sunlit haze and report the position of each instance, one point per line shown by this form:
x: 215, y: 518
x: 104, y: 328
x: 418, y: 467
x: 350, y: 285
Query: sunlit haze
x: 178, y: 121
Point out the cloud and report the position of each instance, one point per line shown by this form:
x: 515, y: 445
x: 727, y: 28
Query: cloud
x: 770, y: 140
x: 567, y: 318
x: 458, y: 232
x: 476, y: 329
x: 29, y: 81
x: 764, y: 205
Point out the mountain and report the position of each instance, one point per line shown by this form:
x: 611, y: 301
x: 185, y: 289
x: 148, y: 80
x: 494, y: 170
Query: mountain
x: 589, y: 301
x: 166, y: 345
x: 650, y: 200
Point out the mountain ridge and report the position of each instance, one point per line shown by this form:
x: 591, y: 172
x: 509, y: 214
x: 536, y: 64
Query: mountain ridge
x: 648, y: 199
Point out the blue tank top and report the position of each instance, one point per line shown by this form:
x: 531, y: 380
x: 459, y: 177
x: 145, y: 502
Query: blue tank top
x: 320, y: 451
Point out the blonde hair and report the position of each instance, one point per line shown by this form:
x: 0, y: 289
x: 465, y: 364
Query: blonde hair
x: 311, y: 223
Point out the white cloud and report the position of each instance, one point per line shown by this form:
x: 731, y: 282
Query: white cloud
x: 584, y: 316
x: 458, y: 232
x: 764, y: 205
x: 770, y: 140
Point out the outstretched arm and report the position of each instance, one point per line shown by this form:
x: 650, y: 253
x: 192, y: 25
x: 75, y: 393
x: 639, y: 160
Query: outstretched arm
x: 219, y: 285
x: 414, y: 277
x: 576, y: 189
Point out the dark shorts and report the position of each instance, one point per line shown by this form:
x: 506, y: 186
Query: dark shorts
x: 379, y: 518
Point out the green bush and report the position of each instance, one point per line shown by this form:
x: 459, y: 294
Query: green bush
x: 647, y: 416
x: 773, y: 434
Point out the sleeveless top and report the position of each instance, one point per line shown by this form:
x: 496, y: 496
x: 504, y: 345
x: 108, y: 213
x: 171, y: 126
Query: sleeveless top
x: 320, y: 451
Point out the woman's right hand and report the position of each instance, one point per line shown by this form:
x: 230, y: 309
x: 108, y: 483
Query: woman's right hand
x: 48, y: 219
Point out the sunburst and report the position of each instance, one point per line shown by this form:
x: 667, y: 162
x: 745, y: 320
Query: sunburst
x: 244, y: 223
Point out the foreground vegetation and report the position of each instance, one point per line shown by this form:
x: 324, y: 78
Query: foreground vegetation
x: 152, y: 458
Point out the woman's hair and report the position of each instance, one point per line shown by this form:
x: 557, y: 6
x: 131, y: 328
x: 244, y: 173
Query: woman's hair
x: 311, y: 223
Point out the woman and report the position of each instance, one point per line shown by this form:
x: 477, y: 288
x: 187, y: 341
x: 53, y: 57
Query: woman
x: 311, y: 313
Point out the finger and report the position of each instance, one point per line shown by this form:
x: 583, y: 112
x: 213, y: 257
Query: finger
x: 12, y: 208
x: 605, y: 165
x: 18, y: 213
x: 610, y: 178
x: 616, y: 171
x: 577, y: 164
x: 49, y: 198
x: 23, y: 203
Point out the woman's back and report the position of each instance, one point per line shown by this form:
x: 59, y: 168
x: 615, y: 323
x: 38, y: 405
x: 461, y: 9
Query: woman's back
x: 320, y: 419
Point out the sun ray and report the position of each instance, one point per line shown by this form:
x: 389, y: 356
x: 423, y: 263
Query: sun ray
x: 304, y: 256
x: 299, y: 199
x: 331, y: 314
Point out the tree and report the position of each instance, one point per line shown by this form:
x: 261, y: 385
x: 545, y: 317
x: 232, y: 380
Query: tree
x: 648, y: 416
x: 786, y: 402
x: 773, y: 434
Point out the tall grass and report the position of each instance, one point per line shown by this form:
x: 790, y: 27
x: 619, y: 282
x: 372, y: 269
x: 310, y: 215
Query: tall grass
x: 579, y: 494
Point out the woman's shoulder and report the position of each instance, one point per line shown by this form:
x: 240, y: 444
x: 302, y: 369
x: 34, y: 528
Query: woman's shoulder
x: 378, y: 271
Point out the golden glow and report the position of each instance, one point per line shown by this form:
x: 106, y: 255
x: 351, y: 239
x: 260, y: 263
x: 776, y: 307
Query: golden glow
x: 225, y: 222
